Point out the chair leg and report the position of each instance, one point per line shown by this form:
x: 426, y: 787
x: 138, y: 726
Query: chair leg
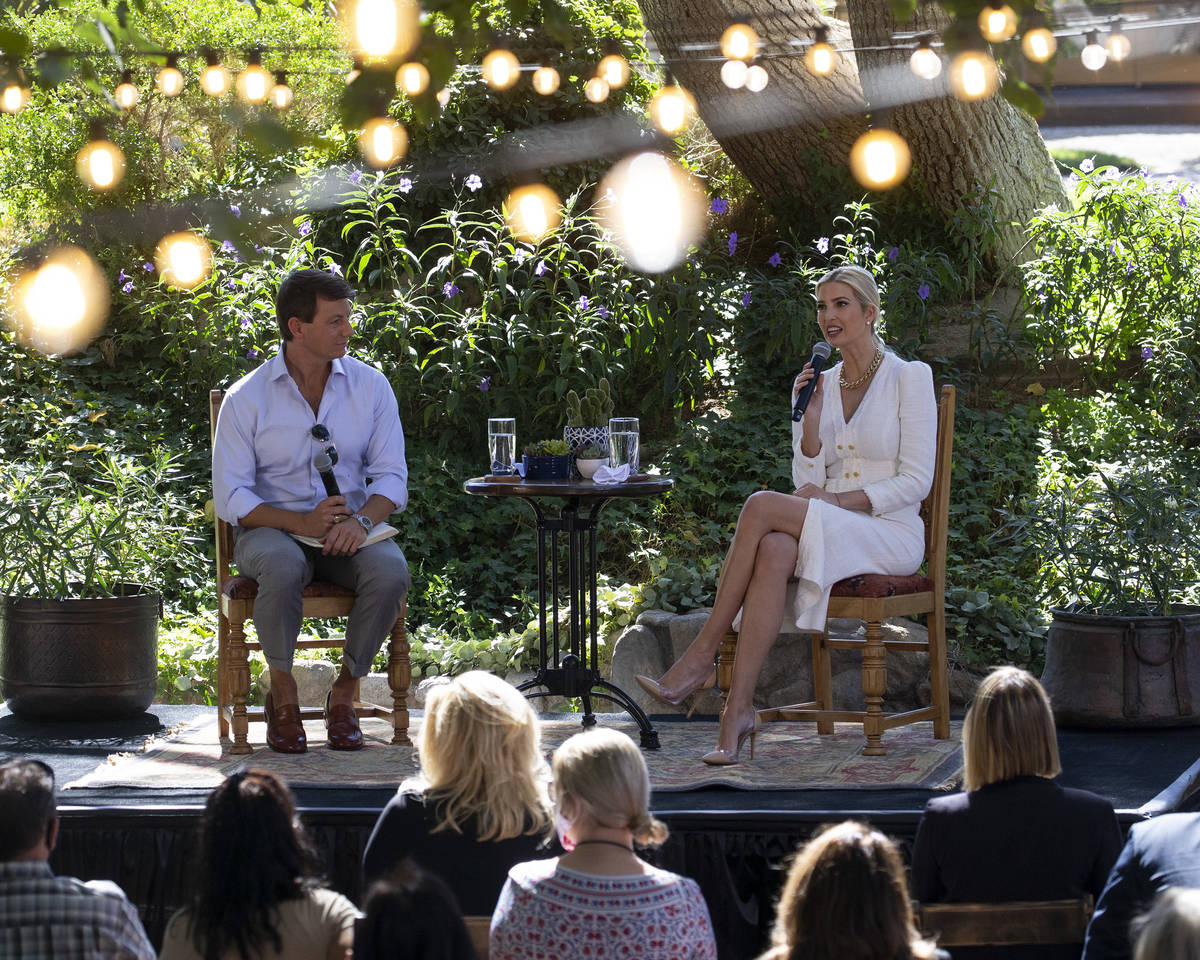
x: 239, y: 686
x: 399, y: 679
x: 939, y: 682
x: 822, y: 680
x: 874, y: 685
x: 726, y: 654
x: 222, y: 673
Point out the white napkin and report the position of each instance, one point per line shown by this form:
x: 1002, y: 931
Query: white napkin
x: 607, y: 474
x: 519, y: 466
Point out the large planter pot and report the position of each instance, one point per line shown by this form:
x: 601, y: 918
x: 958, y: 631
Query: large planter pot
x: 1124, y: 671
x: 80, y: 659
x: 579, y: 437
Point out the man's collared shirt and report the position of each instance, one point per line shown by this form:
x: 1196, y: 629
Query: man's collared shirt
x: 264, y: 448
x: 44, y: 917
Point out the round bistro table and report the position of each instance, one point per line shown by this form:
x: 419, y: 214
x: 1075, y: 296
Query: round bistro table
x: 571, y: 670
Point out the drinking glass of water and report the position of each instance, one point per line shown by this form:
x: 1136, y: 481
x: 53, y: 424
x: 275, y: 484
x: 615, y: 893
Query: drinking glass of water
x: 502, y: 445
x: 623, y: 442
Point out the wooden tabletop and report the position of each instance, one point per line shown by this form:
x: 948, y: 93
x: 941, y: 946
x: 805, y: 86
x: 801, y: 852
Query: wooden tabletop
x: 639, y: 485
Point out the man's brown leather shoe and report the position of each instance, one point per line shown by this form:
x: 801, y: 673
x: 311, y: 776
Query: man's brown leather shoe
x: 285, y: 731
x: 342, y: 724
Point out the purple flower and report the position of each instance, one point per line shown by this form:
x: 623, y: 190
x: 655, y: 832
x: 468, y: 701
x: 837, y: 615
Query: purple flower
x: 485, y: 384
x: 823, y: 245
x: 449, y: 289
x: 356, y: 176
x: 1087, y: 166
x: 473, y: 182
x: 235, y: 209
x: 1147, y: 352
x: 127, y: 287
x: 732, y: 243
x: 520, y: 254
x: 746, y: 299
x: 1144, y: 172
x: 230, y: 284
x: 335, y: 269
x: 244, y: 323
x: 1170, y: 182
x: 1182, y: 201
x: 894, y: 254
x: 305, y: 228
x: 122, y: 276
x: 923, y: 291
x: 720, y: 205
x: 148, y: 267
x: 866, y: 251
x: 228, y: 247
x: 775, y: 259
x: 1129, y: 268
x: 405, y: 185
x: 583, y: 303
x: 603, y: 311
x: 252, y: 353
x: 540, y: 269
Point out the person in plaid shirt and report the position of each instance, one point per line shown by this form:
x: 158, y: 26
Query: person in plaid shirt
x: 44, y: 917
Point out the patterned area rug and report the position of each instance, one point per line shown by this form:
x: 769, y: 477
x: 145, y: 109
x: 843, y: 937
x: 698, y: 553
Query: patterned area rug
x: 787, y: 756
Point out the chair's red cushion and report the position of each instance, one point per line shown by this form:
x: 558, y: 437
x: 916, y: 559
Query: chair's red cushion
x: 245, y: 588
x: 881, y: 585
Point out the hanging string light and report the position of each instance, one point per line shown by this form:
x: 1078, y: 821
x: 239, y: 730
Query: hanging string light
x: 183, y: 259
x: 973, y: 75
x: 1117, y: 43
x: 412, y: 78
x: 821, y: 57
x: 739, y: 42
x: 757, y: 78
x: 100, y: 164
x: 15, y: 94
x: 383, y: 142
x: 596, y: 89
x: 532, y: 211
x: 1039, y: 44
x: 545, y: 79
x: 925, y: 62
x: 733, y: 74
x: 169, y: 80
x: 997, y: 22
x: 214, y: 78
x: 126, y: 93
x: 61, y: 306
x: 614, y: 68
x: 380, y: 30
x: 880, y: 159
x: 281, y: 95
x: 672, y: 108
x: 1093, y: 55
x: 443, y: 96
x: 500, y: 69
x: 254, y: 83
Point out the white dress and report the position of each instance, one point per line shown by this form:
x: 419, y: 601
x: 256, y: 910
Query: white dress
x: 887, y: 450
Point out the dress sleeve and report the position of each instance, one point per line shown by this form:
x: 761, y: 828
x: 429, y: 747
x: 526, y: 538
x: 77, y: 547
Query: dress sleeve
x: 807, y: 469
x: 1127, y: 892
x: 384, y: 462
x: 917, y: 416
x: 501, y: 944
x: 926, y: 881
x: 234, y: 462
x: 388, y: 843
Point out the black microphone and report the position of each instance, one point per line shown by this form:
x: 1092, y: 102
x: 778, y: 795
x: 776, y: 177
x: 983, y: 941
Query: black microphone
x: 324, y: 464
x: 820, y: 354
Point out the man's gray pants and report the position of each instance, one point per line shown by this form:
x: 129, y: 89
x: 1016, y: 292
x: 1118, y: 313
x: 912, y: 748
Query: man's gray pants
x: 378, y: 575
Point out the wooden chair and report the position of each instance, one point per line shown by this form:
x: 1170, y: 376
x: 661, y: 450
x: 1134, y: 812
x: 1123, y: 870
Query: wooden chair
x: 874, y: 598
x: 1017, y: 923
x: 479, y: 928
x: 235, y: 605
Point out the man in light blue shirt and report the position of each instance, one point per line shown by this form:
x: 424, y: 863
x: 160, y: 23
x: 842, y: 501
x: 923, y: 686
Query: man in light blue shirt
x: 308, y: 402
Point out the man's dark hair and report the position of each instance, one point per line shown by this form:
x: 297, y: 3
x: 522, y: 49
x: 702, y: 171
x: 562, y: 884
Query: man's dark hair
x: 298, y: 294
x: 411, y: 914
x: 26, y: 805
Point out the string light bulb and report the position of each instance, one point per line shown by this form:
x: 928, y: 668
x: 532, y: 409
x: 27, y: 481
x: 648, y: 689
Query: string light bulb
x: 973, y: 75
x: 532, y: 211
x: 1093, y: 55
x: 254, y: 83
x: 545, y: 79
x: 500, y: 68
x: 880, y: 159
x: 1117, y: 43
x: 733, y: 74
x: 281, y: 95
x: 355, y: 71
x: 100, y: 164
x: 757, y: 78
x: 739, y: 42
x: 821, y: 57
x: 15, y: 96
x: 1039, y: 44
x: 380, y: 30
x: 443, y: 96
x: 183, y: 259
x: 214, y: 78
x: 654, y: 210
x: 925, y: 62
x: 383, y: 142
x: 614, y: 68
x: 126, y: 93
x: 596, y: 89
x: 672, y: 108
x: 61, y: 306
x: 169, y: 80
x: 412, y: 78
x: 997, y: 23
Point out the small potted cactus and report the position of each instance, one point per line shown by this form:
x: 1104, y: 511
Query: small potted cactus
x: 589, y: 460
x: 587, y: 417
x: 547, y: 460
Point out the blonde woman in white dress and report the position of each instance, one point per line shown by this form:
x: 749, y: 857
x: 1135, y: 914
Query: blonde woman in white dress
x: 862, y: 463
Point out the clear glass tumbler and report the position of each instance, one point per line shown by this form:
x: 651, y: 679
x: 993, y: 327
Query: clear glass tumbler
x: 623, y: 442
x: 502, y: 445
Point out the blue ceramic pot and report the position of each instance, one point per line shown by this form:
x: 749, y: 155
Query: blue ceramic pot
x: 547, y: 468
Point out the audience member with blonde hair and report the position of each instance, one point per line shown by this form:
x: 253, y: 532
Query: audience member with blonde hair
x: 1014, y: 834
x: 846, y: 898
x: 1171, y: 929
x: 480, y: 803
x: 601, y: 891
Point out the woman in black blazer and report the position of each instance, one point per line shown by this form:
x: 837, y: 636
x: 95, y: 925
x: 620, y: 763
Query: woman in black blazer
x: 1015, y: 834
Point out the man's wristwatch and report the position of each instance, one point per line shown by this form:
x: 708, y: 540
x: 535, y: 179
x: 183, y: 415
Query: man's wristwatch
x: 366, y: 522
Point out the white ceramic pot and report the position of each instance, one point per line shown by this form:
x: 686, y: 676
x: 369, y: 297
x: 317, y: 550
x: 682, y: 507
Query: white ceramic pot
x: 587, y: 468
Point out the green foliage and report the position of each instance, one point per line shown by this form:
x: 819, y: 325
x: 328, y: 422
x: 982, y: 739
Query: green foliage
x: 595, y: 452
x: 547, y: 448
x: 1068, y: 159
x: 594, y: 409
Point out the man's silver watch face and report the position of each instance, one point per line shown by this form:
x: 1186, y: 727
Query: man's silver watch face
x: 365, y: 521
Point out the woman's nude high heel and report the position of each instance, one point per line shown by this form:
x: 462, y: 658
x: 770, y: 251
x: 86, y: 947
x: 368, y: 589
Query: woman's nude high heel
x: 655, y: 689
x: 725, y: 758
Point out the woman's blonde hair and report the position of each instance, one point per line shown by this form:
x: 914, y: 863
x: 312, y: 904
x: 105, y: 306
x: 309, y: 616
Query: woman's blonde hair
x: 846, y: 897
x: 866, y: 292
x: 1009, y: 731
x: 480, y: 755
x: 602, y: 773
x: 1170, y: 930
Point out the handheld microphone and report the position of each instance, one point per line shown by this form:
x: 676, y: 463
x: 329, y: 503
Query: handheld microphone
x: 820, y: 355
x: 324, y: 464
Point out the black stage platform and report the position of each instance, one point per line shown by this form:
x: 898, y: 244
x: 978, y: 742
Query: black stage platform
x: 731, y: 841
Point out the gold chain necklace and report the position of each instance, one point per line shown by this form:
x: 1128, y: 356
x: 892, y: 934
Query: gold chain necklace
x: 854, y: 384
